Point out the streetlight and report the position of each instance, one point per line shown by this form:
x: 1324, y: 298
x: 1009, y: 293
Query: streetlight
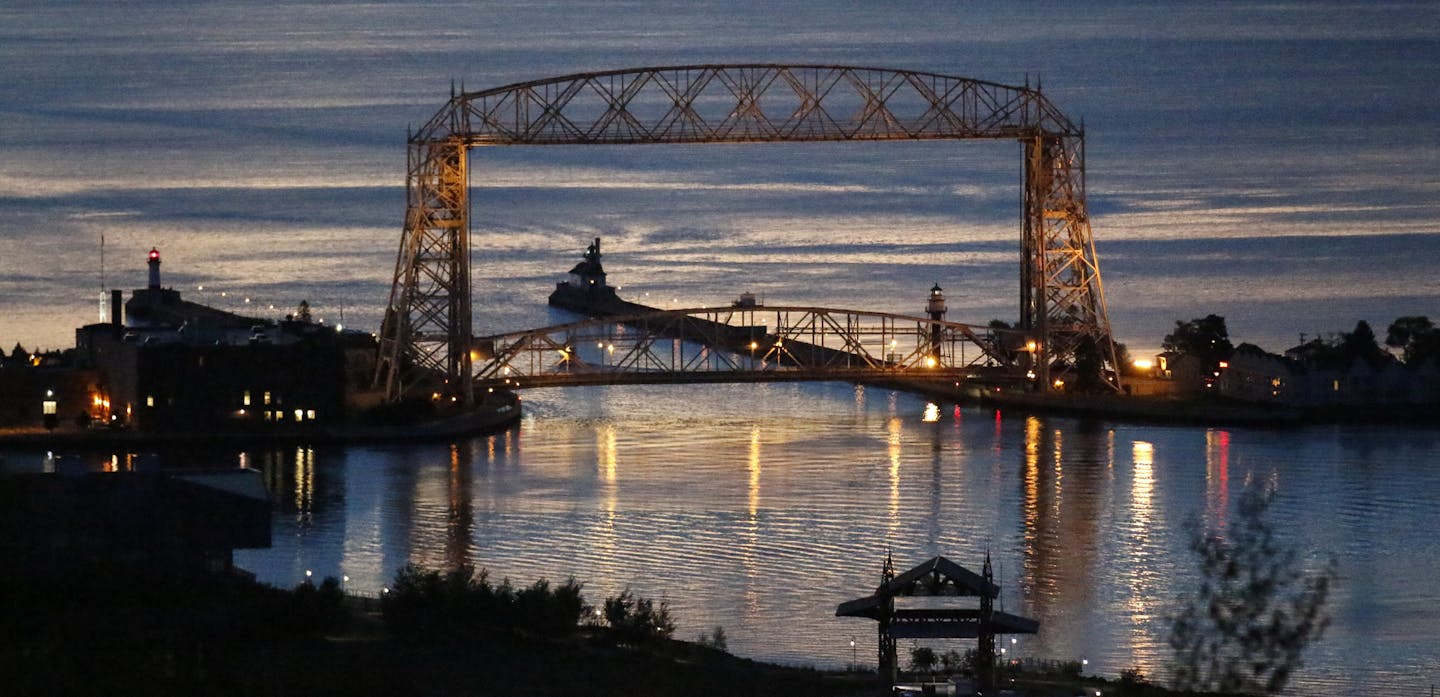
x: 854, y: 658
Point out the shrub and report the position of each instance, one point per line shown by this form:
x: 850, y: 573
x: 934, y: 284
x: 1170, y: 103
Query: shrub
x: 635, y: 619
x: 1245, y: 627
x: 460, y: 603
x: 715, y: 641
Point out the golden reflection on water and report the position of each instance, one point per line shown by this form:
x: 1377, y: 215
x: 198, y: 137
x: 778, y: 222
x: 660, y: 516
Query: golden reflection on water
x: 1141, y: 598
x: 607, y: 455
x: 750, y: 540
x: 607, y: 450
x: 1143, y: 485
x: 932, y: 413
x: 304, y: 480
x: 459, y: 511
x: 1217, y: 475
x: 753, y: 466
x: 1065, y: 477
x: 1030, y: 501
x: 894, y: 428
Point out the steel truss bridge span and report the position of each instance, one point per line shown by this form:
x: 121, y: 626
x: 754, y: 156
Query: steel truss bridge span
x: 427, y: 330
x: 762, y: 344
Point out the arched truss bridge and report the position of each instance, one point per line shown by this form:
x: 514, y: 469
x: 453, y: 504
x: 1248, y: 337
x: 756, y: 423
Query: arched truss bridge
x: 760, y: 344
x: 427, y: 332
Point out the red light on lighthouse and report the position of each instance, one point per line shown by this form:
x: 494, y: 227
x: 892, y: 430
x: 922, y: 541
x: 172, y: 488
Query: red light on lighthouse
x: 154, y: 254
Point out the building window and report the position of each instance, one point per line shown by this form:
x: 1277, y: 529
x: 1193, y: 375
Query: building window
x: 267, y: 396
x: 269, y: 415
x: 245, y: 398
x: 149, y: 400
x: 299, y: 415
x: 310, y: 414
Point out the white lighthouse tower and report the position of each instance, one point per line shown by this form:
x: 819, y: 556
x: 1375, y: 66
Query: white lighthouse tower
x: 935, y: 307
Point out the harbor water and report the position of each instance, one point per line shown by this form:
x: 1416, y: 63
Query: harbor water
x: 759, y: 508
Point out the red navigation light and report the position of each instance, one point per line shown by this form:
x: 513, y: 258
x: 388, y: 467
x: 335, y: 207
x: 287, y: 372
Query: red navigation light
x: 154, y: 254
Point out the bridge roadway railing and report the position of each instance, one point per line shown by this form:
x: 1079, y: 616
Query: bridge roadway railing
x: 735, y: 344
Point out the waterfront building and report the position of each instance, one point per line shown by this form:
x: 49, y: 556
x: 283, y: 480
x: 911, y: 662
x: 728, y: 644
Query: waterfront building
x: 163, y: 363
x: 1255, y: 375
x: 589, y: 274
x: 1314, y: 376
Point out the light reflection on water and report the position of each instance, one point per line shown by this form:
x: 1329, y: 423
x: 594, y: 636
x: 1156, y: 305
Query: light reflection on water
x: 771, y: 504
x: 760, y: 507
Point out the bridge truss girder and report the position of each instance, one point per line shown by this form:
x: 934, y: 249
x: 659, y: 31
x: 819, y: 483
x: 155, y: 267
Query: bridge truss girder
x: 739, y: 345
x: 426, y: 334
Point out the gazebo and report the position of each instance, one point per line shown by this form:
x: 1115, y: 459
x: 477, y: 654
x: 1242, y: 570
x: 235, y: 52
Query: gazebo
x: 937, y: 577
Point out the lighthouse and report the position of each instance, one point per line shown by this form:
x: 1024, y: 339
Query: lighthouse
x: 935, y: 307
x: 154, y: 269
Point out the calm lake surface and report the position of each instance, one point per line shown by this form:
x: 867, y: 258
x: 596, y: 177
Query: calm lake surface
x: 759, y: 508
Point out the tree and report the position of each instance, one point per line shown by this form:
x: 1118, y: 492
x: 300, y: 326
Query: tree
x: 1416, y: 337
x: 1205, y: 338
x: 1256, y: 610
x: 922, y: 659
x: 1090, y: 366
x: 1359, y: 343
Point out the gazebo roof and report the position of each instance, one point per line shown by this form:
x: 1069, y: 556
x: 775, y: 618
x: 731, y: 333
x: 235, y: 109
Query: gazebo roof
x: 936, y: 576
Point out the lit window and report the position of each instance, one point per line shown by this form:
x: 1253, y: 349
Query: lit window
x: 267, y: 396
x: 149, y: 400
x: 269, y: 416
x: 245, y: 398
x: 310, y: 414
x: 1335, y: 386
x: 299, y: 415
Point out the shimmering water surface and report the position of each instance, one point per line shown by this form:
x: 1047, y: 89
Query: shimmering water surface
x: 760, y: 507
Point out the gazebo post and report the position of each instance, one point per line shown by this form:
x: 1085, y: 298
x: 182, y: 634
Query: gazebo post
x: 985, y: 652
x: 889, y: 668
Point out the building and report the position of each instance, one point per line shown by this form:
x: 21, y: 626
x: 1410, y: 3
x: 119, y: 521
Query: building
x: 1318, y: 377
x: 164, y: 364
x: 1253, y: 375
x: 174, y: 523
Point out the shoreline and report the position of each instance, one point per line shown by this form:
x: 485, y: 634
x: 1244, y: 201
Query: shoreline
x: 479, y: 422
x: 1181, y: 411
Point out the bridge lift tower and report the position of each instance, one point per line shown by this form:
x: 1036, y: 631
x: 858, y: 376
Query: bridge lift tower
x: 426, y: 337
